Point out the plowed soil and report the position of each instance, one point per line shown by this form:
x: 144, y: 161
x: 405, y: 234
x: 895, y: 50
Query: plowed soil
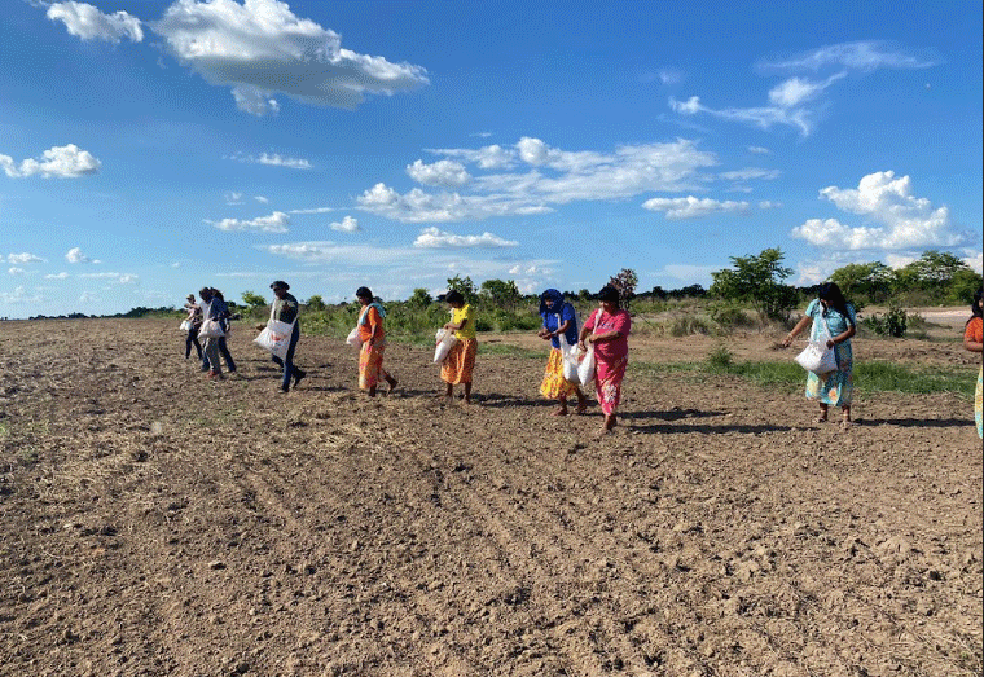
x: 155, y: 523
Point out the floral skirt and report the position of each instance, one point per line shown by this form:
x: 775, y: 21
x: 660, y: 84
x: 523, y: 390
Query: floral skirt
x: 554, y: 385
x: 371, y: 370
x: 837, y: 389
x: 609, y: 384
x: 979, y: 403
x: 460, y: 362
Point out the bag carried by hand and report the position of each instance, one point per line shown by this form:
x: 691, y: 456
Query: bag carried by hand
x: 586, y: 367
x: 211, y: 329
x: 570, y: 355
x: 817, y: 357
x: 353, y: 338
x: 185, y: 326
x: 445, y: 341
x: 275, y: 337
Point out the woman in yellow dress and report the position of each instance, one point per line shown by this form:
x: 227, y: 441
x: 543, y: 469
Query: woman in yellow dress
x: 460, y: 362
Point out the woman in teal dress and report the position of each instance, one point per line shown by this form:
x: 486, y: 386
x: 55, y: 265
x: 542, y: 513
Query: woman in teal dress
x: 833, y: 312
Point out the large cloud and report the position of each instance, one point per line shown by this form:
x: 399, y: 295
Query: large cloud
x: 260, y: 48
x: 59, y: 161
x: 87, y: 22
x: 531, y: 177
x: 906, y: 222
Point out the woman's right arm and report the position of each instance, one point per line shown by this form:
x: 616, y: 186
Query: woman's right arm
x: 800, y: 326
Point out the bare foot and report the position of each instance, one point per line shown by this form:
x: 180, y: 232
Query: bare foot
x: 603, y: 431
x: 820, y: 419
x: 392, y: 385
x: 847, y: 424
x: 559, y: 412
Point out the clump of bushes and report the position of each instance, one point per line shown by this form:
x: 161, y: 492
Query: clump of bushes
x: 890, y: 325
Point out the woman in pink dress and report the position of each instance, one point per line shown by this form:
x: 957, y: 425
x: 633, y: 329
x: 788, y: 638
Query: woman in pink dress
x: 607, y: 330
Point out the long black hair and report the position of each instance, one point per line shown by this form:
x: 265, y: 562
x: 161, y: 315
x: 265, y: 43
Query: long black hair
x: 832, y: 294
x: 975, y: 309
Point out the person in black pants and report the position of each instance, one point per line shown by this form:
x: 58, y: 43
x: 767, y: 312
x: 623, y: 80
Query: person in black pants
x: 285, y: 308
x: 194, y: 324
x: 223, y: 312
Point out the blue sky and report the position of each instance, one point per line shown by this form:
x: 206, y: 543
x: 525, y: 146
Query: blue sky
x: 149, y: 148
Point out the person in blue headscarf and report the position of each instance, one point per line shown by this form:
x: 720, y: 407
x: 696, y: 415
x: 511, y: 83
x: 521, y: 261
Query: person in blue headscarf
x: 559, y: 323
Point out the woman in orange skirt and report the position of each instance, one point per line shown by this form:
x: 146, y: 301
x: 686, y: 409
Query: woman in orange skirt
x: 373, y: 337
x: 460, y: 362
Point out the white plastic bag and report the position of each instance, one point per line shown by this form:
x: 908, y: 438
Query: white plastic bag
x: 817, y: 357
x: 445, y: 341
x: 353, y: 338
x: 275, y: 337
x: 185, y: 326
x: 571, y: 355
x: 211, y: 329
x: 586, y: 367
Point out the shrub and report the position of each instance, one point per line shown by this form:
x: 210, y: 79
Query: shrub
x: 891, y: 324
x: 720, y: 358
x: 687, y: 325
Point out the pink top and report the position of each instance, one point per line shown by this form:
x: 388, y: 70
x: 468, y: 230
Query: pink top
x: 601, y: 322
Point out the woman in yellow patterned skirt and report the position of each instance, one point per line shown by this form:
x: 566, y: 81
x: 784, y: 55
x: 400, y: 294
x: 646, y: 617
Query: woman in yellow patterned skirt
x: 460, y: 362
x: 559, y: 324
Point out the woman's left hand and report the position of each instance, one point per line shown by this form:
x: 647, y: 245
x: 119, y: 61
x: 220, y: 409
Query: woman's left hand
x: 831, y: 343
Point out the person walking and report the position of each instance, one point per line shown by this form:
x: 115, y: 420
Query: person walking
x: 559, y: 323
x: 974, y: 342
x: 832, y: 313
x: 210, y: 311
x: 285, y: 309
x: 372, y: 333
x: 607, y: 330
x: 459, y: 365
x: 194, y: 320
x: 224, y: 317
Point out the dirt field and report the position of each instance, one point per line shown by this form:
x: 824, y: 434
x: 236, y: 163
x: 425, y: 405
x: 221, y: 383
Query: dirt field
x: 154, y: 523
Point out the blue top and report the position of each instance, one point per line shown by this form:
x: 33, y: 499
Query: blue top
x: 555, y: 317
x: 837, y: 323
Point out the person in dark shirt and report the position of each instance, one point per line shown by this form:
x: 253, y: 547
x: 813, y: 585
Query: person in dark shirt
x: 285, y: 308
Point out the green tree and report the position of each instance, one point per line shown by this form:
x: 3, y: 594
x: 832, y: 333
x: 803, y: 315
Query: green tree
x: 933, y: 273
x: 254, y: 301
x: 625, y: 282
x: 464, y: 286
x: 963, y: 285
x: 420, y: 298
x: 315, y: 303
x: 868, y: 280
x: 757, y: 279
x: 501, y: 293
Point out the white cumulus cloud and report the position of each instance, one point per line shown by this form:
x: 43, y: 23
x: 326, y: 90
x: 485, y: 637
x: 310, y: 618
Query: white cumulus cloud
x: 56, y: 276
x: 87, y: 22
x: 272, y: 223
x: 15, y: 271
x: 438, y: 239
x: 441, y: 173
x: 903, y: 220
x: 59, y: 161
x: 260, y: 48
x: 75, y: 255
x: 691, y: 207
x: 348, y: 224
